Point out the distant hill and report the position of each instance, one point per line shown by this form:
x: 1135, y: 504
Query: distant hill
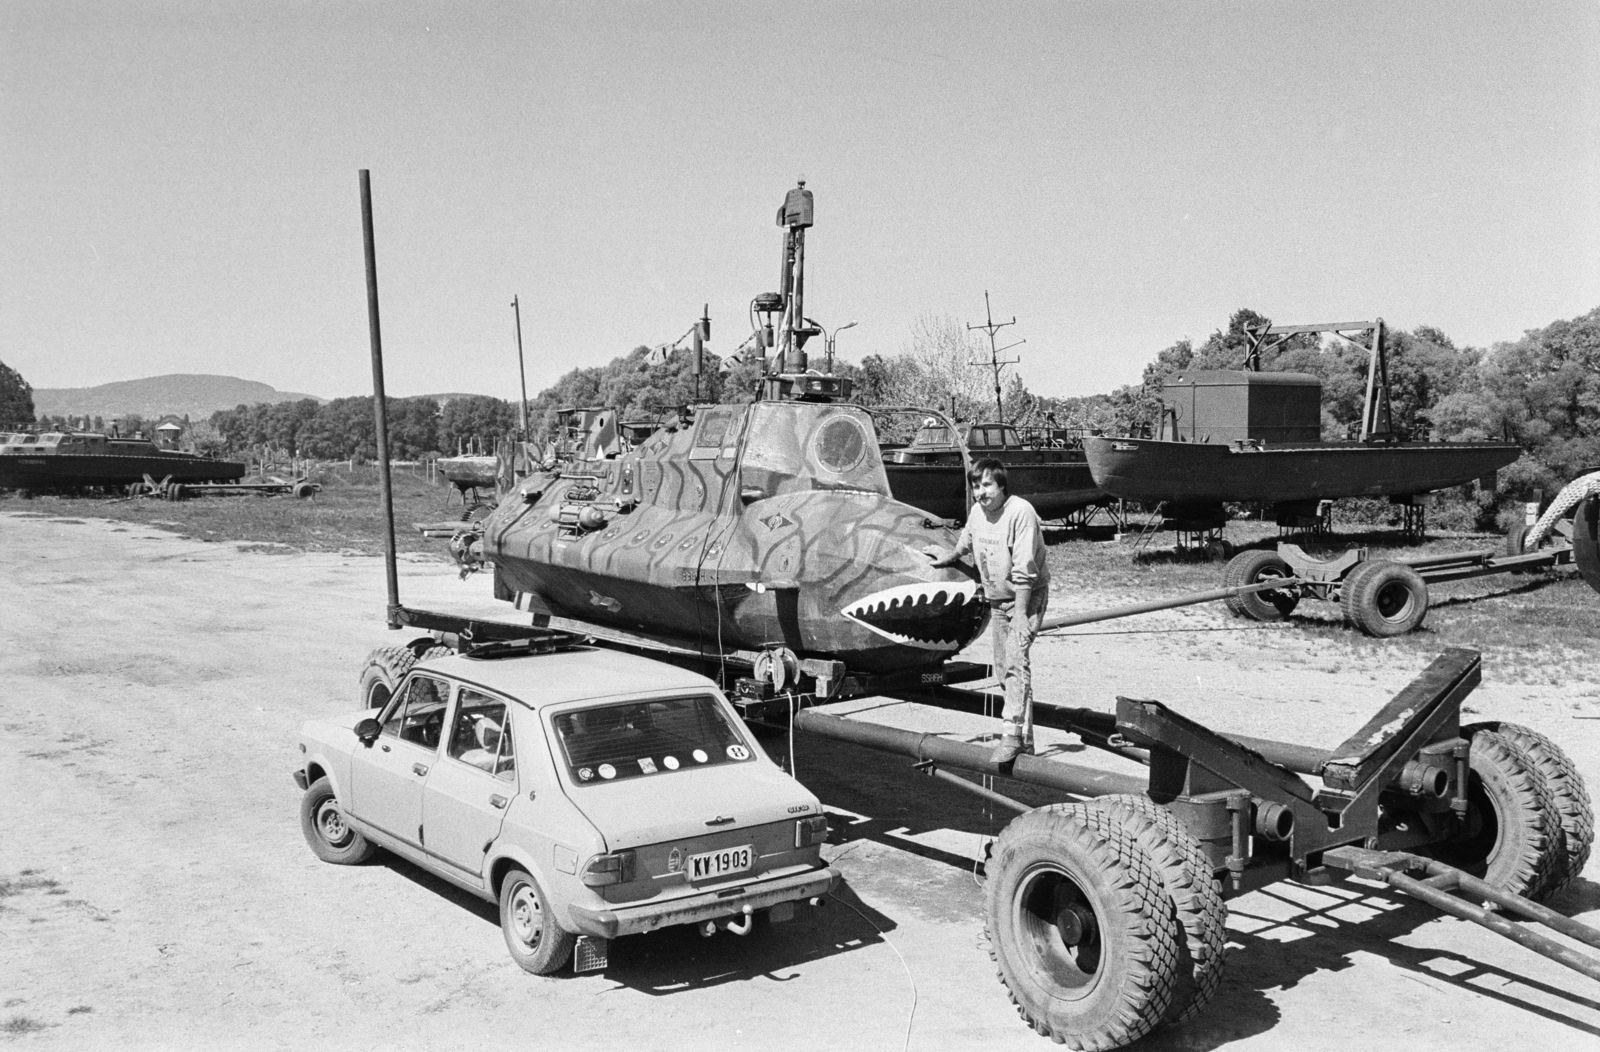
x: 194, y: 394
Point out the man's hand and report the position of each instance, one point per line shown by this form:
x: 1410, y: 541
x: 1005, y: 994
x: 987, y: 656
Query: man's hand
x: 938, y: 555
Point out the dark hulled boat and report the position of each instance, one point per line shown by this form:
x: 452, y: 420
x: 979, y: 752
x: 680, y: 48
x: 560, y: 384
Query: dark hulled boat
x: 1045, y: 466
x: 67, y: 460
x: 1247, y: 436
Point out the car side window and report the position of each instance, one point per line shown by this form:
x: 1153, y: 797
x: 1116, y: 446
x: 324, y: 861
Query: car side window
x: 420, y: 717
x: 481, y: 734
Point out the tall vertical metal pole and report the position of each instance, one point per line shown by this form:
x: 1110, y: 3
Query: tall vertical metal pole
x: 379, y: 405
x: 521, y: 371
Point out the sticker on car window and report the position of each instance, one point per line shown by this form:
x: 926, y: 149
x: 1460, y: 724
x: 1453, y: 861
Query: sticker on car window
x: 738, y: 752
x: 670, y: 762
x: 647, y: 765
x: 607, y: 771
x: 585, y: 773
x: 700, y: 756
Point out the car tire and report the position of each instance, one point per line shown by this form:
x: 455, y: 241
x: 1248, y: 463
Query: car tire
x: 537, y: 943
x: 332, y: 839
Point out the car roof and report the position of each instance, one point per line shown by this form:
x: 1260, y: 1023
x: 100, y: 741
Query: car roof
x: 577, y: 674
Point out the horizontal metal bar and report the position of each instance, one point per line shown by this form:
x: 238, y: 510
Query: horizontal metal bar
x: 978, y: 790
x: 1417, y: 562
x: 1327, y: 326
x: 1034, y: 770
x: 1456, y: 907
x: 1472, y: 885
x: 1191, y: 599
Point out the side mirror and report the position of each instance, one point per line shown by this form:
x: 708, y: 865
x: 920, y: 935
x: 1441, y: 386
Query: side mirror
x: 368, y: 730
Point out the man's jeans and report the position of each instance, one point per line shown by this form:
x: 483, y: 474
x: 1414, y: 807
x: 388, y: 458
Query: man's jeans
x: 1013, y: 637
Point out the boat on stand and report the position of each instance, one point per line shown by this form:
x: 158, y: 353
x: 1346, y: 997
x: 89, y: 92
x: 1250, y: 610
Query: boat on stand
x: 1248, y: 436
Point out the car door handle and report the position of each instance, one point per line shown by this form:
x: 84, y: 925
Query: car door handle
x: 497, y: 800
x: 419, y: 768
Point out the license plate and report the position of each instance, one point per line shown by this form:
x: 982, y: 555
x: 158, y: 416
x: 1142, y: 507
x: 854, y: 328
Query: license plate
x: 720, y: 863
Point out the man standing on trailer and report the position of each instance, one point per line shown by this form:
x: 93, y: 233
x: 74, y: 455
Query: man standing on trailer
x: 1006, y: 543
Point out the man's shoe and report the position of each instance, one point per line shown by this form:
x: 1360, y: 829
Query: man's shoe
x: 1006, y: 752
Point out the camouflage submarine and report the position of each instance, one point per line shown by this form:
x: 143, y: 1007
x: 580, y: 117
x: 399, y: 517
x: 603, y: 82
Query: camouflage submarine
x: 763, y: 532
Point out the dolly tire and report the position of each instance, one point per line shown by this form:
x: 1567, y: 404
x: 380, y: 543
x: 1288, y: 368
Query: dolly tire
x: 1250, y: 567
x: 332, y: 839
x: 1385, y: 599
x: 1573, y: 811
x: 1080, y: 927
x: 1510, y: 837
x: 1196, y: 896
x: 537, y: 943
x: 385, y: 667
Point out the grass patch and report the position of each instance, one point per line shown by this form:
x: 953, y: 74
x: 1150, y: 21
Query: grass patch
x: 21, y: 1024
x: 29, y: 880
x: 345, y: 516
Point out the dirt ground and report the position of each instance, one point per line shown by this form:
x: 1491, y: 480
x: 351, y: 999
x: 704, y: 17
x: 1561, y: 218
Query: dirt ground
x: 155, y: 891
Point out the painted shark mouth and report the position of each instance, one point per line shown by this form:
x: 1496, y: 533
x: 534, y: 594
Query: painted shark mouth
x: 938, y: 615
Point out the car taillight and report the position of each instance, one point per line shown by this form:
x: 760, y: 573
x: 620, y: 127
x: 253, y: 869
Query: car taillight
x: 813, y: 830
x: 615, y: 868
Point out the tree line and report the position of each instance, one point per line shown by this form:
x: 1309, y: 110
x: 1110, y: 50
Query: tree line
x: 1541, y: 391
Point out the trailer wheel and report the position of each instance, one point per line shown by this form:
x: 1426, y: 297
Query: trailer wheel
x: 1191, y: 885
x: 1573, y: 811
x: 1080, y: 927
x: 1385, y: 598
x: 1251, y: 567
x: 1510, y: 837
x: 385, y: 667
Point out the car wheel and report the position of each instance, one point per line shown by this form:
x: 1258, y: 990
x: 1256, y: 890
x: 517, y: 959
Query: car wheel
x: 537, y: 943
x: 332, y: 839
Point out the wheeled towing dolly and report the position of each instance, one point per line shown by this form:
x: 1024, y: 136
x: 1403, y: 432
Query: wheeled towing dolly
x: 1106, y: 914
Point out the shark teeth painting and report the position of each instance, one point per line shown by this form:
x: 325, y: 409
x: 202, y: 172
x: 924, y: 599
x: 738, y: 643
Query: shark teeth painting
x: 941, y: 615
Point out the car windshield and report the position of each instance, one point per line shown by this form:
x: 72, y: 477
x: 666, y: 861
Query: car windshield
x: 639, y: 739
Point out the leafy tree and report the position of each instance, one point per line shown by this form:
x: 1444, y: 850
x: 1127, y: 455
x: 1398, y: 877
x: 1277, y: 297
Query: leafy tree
x: 16, y: 398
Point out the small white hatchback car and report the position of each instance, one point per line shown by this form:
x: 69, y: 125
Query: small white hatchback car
x: 590, y: 793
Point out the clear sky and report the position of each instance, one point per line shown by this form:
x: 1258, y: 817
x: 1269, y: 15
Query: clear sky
x: 178, y: 180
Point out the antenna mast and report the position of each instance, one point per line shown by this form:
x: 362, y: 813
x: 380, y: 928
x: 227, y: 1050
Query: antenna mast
x: 521, y: 371
x: 995, y: 362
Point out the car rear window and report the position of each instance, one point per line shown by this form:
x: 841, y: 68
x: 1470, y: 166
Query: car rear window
x: 642, y: 739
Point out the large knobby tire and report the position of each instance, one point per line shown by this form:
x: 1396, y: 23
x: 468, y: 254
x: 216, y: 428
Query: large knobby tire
x: 1573, y: 811
x: 537, y: 943
x: 1385, y: 598
x: 1196, y: 898
x: 322, y: 821
x: 1249, y: 567
x: 1510, y: 837
x: 385, y: 667
x: 1080, y: 927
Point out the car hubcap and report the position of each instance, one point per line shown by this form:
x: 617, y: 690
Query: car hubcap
x: 526, y: 920
x: 330, y: 821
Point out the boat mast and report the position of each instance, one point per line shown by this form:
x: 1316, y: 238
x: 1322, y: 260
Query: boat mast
x: 991, y: 327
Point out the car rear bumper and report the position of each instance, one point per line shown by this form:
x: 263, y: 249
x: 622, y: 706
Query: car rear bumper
x: 630, y: 920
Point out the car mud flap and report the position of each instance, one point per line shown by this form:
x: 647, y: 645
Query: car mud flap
x: 590, y: 954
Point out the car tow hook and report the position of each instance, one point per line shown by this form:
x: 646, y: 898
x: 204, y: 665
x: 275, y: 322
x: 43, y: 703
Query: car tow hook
x: 738, y: 927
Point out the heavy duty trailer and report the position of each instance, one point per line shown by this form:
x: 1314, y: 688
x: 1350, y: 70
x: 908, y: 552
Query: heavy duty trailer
x: 1105, y: 911
x: 1381, y: 597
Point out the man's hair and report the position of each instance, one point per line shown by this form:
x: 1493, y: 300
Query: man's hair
x: 994, y: 469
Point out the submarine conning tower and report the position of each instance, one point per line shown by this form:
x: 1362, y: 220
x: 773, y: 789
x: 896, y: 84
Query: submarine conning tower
x: 789, y: 376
